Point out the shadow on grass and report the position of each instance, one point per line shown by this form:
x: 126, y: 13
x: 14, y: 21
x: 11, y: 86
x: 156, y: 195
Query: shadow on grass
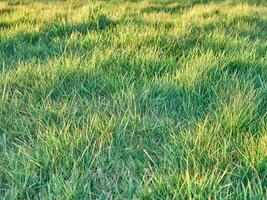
x: 255, y: 73
x: 134, y: 19
x: 5, y: 11
x: 167, y: 7
x: 250, y: 76
x: 172, y: 6
x: 58, y: 30
x: 4, y: 25
x: 250, y: 2
x: 199, y: 37
x: 85, y: 85
x: 40, y: 45
x: 257, y: 27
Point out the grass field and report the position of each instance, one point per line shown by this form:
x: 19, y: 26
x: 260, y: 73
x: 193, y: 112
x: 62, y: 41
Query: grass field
x: 157, y: 99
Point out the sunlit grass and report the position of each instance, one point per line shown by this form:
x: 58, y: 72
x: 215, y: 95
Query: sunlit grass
x: 133, y: 99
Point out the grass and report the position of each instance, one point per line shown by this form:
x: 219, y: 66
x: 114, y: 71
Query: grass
x: 133, y: 99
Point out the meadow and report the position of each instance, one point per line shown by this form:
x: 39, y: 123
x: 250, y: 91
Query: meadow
x: 152, y: 99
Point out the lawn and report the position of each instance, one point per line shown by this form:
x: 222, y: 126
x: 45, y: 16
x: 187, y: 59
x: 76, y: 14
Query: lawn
x: 159, y: 99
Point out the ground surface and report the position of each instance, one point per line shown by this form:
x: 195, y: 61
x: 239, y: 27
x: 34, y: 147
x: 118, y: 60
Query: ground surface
x: 133, y: 100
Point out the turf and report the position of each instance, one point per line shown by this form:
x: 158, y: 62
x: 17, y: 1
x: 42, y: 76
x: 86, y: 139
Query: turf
x: 133, y: 99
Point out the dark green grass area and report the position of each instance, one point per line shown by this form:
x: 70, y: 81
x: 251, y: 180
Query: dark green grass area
x: 133, y: 99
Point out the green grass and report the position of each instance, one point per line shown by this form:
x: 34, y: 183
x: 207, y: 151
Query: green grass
x: 133, y: 99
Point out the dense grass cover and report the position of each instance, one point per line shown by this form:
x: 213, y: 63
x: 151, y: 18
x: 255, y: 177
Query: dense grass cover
x: 133, y: 99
